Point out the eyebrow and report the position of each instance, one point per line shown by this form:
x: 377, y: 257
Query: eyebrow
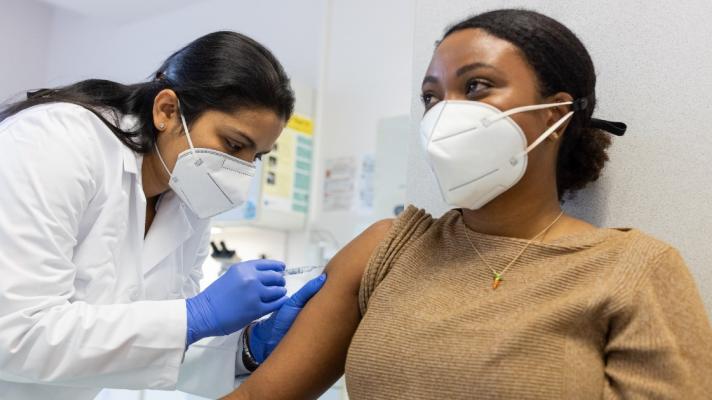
x: 469, y: 67
x: 461, y: 71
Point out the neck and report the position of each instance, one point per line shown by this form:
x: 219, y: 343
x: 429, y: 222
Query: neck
x: 512, y: 217
x: 154, y: 177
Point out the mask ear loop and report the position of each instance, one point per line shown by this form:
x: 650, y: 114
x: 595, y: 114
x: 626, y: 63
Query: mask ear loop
x: 515, y: 160
x: 504, y: 114
x: 155, y: 145
x: 187, y: 135
x: 185, y: 126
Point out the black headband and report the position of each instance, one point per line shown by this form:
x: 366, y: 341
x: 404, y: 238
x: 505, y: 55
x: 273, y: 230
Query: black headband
x: 612, y: 127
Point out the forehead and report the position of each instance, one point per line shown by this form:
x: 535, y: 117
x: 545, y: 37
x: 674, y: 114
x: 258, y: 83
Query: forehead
x: 261, y: 125
x: 469, y: 46
x: 246, y: 115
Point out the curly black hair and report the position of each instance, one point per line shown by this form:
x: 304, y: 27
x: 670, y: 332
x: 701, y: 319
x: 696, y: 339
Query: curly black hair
x: 562, y: 64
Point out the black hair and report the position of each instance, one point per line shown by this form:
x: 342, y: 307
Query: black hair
x: 562, y: 64
x: 221, y: 71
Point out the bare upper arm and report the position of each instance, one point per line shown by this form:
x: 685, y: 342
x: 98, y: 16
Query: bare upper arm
x: 348, y: 265
x: 312, y: 355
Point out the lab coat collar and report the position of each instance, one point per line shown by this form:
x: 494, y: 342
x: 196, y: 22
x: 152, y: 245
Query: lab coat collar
x: 132, y: 160
x: 172, y: 226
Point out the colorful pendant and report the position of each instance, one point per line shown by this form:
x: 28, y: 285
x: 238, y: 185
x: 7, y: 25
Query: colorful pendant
x: 497, y: 281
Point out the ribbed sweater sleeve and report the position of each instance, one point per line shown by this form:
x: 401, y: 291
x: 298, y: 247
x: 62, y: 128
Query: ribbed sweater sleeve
x: 659, y: 344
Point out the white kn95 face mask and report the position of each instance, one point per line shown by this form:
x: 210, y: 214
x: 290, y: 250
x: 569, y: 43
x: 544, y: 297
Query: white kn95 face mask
x: 476, y: 151
x: 209, y: 182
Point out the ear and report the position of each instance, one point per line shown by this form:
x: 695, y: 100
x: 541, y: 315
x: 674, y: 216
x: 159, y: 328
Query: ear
x: 556, y: 113
x: 165, y: 111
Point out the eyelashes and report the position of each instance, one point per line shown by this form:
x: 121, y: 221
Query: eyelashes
x: 426, y: 99
x: 236, y: 147
x: 473, y: 88
x: 232, y: 146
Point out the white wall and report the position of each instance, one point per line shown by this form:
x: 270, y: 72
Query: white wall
x: 24, y: 41
x: 368, y: 62
x: 653, y: 63
x: 83, y: 47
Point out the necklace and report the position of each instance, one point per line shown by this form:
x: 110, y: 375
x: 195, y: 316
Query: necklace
x: 497, y: 276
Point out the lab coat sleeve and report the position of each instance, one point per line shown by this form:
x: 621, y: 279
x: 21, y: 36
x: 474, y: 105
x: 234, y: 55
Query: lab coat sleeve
x: 209, y: 368
x: 50, y: 170
x: 211, y: 365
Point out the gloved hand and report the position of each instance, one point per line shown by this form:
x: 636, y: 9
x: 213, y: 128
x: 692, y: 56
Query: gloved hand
x: 247, y: 291
x: 265, y: 335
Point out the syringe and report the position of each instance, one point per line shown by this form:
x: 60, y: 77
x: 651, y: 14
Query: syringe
x: 302, y: 270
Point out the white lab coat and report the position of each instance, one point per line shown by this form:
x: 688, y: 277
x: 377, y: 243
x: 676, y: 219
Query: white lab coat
x: 86, y: 301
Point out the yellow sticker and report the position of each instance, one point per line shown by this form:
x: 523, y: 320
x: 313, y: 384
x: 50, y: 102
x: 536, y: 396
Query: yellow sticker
x: 301, y: 123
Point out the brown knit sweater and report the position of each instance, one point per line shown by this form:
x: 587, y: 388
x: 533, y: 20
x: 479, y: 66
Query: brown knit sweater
x: 607, y: 314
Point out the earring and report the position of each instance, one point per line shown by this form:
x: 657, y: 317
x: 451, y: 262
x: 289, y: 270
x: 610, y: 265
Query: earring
x: 161, y: 126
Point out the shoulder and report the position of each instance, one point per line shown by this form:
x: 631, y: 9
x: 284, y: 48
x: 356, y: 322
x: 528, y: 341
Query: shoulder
x: 55, y: 124
x: 656, y: 286
x: 48, y: 112
x: 384, y: 229
x: 347, y: 267
x: 642, y: 261
x: 62, y: 122
x: 407, y: 229
x: 72, y: 143
x: 388, y: 235
x: 389, y: 239
x: 639, y: 248
x: 655, y: 257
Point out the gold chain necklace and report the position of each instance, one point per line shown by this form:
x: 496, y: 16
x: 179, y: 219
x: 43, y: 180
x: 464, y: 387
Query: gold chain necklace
x: 498, y: 275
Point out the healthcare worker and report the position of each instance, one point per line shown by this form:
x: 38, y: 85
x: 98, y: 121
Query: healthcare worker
x: 106, y: 192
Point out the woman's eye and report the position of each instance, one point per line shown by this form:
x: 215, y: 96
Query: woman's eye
x: 474, y: 87
x: 233, y: 146
x: 428, y: 99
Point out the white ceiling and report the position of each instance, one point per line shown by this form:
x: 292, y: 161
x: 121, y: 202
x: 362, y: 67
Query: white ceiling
x: 122, y: 10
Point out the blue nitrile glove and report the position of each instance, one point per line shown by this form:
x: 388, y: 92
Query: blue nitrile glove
x: 245, y: 292
x: 265, y: 335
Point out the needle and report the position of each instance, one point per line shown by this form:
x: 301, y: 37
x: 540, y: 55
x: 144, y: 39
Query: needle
x: 302, y: 270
